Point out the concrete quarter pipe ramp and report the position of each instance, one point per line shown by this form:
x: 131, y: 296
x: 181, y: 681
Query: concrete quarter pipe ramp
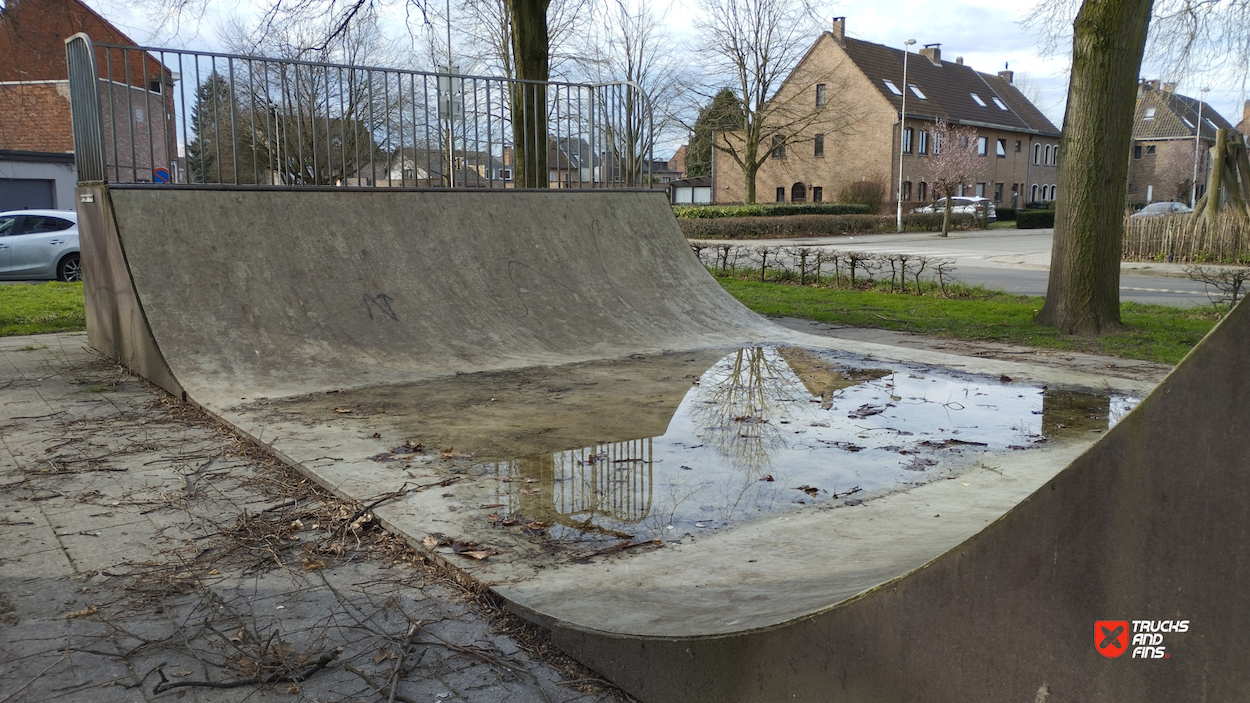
x: 254, y: 303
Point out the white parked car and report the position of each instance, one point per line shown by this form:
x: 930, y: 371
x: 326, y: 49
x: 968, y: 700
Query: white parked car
x: 962, y: 205
x: 38, y: 244
x: 1161, y: 209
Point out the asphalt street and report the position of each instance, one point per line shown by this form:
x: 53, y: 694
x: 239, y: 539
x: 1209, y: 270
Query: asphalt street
x: 1017, y: 261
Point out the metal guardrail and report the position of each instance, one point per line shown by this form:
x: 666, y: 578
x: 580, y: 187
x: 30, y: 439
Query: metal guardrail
x: 144, y: 114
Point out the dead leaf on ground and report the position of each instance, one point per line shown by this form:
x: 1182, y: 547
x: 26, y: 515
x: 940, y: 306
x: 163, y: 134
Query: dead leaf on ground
x: 238, y: 636
x: 480, y: 554
x: 383, y: 655
x: 531, y: 491
x: 343, y: 410
x: 451, y: 453
x: 82, y: 613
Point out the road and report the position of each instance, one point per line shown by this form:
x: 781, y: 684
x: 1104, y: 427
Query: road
x: 1016, y: 261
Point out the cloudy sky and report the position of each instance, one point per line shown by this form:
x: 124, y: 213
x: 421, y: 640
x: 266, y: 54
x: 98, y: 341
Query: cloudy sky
x: 987, y: 33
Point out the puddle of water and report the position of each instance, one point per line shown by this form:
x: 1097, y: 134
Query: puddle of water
x: 662, y: 446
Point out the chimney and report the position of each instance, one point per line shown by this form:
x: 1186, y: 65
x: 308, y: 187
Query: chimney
x: 1245, y: 113
x: 1008, y: 76
x: 959, y: 60
x: 839, y: 30
x: 1169, y: 87
x: 933, y: 52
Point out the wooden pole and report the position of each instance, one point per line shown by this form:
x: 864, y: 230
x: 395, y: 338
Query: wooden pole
x: 1217, y: 171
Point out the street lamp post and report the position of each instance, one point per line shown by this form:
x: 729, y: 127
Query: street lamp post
x: 1193, y: 186
x: 902, y: 117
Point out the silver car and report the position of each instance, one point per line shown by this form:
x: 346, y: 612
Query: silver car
x: 1161, y: 209
x: 963, y: 205
x: 37, y: 244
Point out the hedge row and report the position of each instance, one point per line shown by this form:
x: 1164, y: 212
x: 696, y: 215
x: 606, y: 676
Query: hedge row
x: 814, y: 225
x: 1005, y: 214
x: 1035, y: 219
x: 768, y: 210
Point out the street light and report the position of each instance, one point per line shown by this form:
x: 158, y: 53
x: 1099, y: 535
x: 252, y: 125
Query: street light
x: 902, y: 117
x: 1193, y: 186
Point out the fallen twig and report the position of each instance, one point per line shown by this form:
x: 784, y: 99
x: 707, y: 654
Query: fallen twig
x: 393, y: 681
x: 320, y: 664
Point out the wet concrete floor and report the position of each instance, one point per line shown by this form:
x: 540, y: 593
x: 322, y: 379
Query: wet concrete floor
x: 659, y: 446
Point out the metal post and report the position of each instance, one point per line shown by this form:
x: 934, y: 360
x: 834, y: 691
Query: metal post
x: 902, y: 126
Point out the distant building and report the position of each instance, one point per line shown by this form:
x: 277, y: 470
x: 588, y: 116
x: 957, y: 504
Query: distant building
x: 1020, y: 146
x: 677, y: 164
x: 1165, y: 128
x: 36, y: 138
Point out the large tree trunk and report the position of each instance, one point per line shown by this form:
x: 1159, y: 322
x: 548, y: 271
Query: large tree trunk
x: 1083, y: 296
x: 529, y: 100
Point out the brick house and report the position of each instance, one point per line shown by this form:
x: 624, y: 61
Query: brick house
x: 36, y: 138
x: 1020, y: 146
x: 1165, y: 127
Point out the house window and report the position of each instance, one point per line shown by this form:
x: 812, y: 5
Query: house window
x: 1046, y: 160
x: 977, y: 99
x: 1002, y: 148
x: 937, y: 143
x: 779, y: 146
x: 1150, y: 151
x: 781, y: 194
x: 907, y: 137
x: 407, y: 173
x: 998, y: 192
x: 798, y: 193
x: 906, y: 190
x: 1017, y: 146
x: 983, y: 146
x: 963, y: 142
x: 818, y: 145
x: 890, y: 84
x: 999, y: 103
x: 980, y: 190
x: 1033, y: 193
x: 922, y: 191
x: 1037, y: 153
x: 1150, y: 114
x: 1137, y: 151
x: 154, y: 86
x: 923, y: 145
x: 820, y: 94
x: 916, y: 91
x: 505, y: 174
x: 818, y: 194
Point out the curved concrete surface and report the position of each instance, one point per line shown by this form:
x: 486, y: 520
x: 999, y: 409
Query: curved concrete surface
x: 280, y: 294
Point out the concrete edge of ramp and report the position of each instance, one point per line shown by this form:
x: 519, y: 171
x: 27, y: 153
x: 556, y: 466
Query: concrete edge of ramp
x: 117, y: 324
x: 1150, y: 523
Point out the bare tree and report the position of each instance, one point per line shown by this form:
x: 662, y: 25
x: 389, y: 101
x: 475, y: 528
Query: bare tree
x: 953, y: 164
x: 630, y: 42
x: 757, y: 46
x: 1109, y: 39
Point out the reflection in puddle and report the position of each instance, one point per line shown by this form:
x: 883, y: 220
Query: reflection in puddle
x: 765, y: 429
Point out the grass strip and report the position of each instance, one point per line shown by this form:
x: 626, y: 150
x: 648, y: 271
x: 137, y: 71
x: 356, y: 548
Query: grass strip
x: 40, y: 308
x: 1154, y: 332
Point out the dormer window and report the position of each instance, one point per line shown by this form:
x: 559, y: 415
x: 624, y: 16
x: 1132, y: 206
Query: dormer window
x: 1187, y: 122
x: 1001, y: 105
x: 1213, y: 125
x: 977, y: 99
x: 916, y: 91
x: 1150, y: 114
x: 890, y: 84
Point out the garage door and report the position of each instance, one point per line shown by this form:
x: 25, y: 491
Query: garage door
x: 27, y: 194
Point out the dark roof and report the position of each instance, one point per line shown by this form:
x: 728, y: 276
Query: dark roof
x: 1170, y: 114
x: 696, y: 182
x: 947, y: 89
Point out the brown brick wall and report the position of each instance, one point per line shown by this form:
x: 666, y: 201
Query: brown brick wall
x: 862, y: 142
x: 1169, y: 170
x: 35, y: 117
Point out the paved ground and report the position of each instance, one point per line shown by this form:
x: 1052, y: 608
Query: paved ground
x: 1017, y: 261
x: 151, y: 555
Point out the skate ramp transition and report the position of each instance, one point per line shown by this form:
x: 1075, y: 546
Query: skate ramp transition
x: 233, y: 294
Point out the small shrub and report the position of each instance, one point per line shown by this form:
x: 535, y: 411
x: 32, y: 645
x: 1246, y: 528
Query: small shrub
x: 1035, y: 219
x: 870, y: 194
x: 704, y: 212
x: 1006, y: 214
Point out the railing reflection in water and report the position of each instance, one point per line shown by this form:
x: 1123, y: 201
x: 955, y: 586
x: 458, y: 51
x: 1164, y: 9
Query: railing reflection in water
x: 580, y: 488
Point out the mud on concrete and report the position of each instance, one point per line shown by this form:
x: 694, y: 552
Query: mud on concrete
x: 151, y: 555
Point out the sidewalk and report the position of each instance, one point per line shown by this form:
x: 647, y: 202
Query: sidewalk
x: 148, y: 551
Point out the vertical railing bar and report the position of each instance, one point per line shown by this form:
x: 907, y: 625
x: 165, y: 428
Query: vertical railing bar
x: 490, y: 142
x: 160, y: 78
x: 399, y: 110
x: 412, y: 90
x: 477, y: 135
x: 285, y: 129
x: 130, y: 118
x: 108, y: 59
x: 251, y: 122
x: 386, y: 105
x: 186, y: 137
x: 373, y: 169
x: 234, y: 127
x: 297, y: 103
x: 272, y: 147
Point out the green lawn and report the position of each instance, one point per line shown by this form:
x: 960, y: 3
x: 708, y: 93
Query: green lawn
x: 40, y: 308
x: 1155, y: 332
